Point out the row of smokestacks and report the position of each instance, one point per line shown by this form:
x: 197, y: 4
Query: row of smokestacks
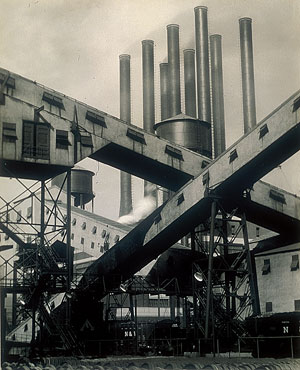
x: 199, y: 92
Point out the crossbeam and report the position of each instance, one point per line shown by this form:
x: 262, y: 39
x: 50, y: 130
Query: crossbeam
x: 227, y: 177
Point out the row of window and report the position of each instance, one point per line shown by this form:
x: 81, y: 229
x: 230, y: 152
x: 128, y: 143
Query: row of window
x: 269, y: 306
x: 266, y: 269
x: 36, y: 135
x: 104, y: 234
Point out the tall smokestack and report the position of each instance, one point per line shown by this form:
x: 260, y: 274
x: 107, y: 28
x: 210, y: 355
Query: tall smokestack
x: 174, y: 69
x: 125, y: 115
x: 148, y: 98
x: 148, y: 85
x: 217, y: 93
x: 249, y: 107
x: 203, y: 85
x: 189, y: 82
x: 164, y: 104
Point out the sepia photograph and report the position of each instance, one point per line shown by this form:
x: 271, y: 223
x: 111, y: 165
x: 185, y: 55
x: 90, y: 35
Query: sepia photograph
x: 149, y: 184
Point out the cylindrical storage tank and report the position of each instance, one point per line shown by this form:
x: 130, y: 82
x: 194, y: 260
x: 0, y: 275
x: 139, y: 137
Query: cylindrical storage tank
x: 182, y: 130
x: 189, y: 82
x: 217, y: 94
x: 125, y: 115
x: 164, y: 104
x: 249, y: 106
x: 81, y: 185
x: 174, y: 69
x: 203, y: 83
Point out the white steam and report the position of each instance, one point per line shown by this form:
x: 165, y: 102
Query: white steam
x: 143, y: 208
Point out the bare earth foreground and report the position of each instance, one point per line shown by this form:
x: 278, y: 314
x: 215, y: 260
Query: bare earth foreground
x: 156, y: 363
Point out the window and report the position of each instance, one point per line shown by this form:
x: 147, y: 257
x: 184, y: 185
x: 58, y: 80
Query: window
x: 295, y: 262
x: 86, y: 140
x: 29, y: 212
x: 9, y: 132
x: 82, y: 241
x: 6, y: 237
x: 28, y: 240
x: 266, y: 267
x: 52, y: 305
x: 72, y: 236
x: 25, y: 328
x: 103, y: 233
x: 233, y: 155
x: 19, y: 216
x: 62, y: 141
x: 232, y: 230
x: 257, y: 232
x: 94, y: 230
x: 83, y: 226
x: 74, y: 221
x: 53, y: 100
x: 95, y: 118
x: 269, y: 307
x: 117, y: 238
x: 36, y: 140
x: 297, y: 304
x: 10, y: 81
x: 92, y: 245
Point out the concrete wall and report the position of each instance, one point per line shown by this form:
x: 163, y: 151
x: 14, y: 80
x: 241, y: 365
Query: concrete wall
x: 281, y: 285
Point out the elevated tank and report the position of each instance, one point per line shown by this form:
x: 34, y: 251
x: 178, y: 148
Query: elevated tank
x: 186, y: 131
x: 81, y: 185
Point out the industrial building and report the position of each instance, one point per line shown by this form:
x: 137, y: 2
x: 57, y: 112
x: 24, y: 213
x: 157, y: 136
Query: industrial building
x: 221, y: 250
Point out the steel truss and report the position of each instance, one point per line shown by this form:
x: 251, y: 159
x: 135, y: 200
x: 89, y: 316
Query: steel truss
x: 226, y: 291
x: 40, y: 263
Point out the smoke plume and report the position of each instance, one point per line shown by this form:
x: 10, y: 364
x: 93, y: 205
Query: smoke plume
x: 143, y: 208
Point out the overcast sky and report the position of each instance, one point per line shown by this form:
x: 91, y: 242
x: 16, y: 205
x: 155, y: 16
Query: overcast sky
x: 73, y: 46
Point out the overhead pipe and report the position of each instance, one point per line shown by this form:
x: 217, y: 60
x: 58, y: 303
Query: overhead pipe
x: 249, y: 106
x: 217, y: 94
x: 164, y: 103
x: 148, y: 99
x: 125, y: 115
x: 174, y: 69
x: 189, y: 82
x: 203, y: 83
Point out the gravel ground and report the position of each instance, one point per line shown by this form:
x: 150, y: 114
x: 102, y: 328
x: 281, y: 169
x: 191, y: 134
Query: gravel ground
x: 155, y: 363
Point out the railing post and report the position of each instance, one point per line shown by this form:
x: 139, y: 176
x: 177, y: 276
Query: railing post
x: 257, y: 347
x: 292, y: 349
x: 239, y: 347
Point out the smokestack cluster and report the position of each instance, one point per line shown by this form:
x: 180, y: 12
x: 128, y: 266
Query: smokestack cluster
x: 203, y: 92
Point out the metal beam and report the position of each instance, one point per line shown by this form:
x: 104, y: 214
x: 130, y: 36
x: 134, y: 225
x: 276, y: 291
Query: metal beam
x: 131, y: 149
x: 249, y: 159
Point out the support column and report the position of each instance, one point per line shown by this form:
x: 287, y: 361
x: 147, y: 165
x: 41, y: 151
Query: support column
x: 250, y: 268
x: 69, y: 250
x: 210, y: 267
